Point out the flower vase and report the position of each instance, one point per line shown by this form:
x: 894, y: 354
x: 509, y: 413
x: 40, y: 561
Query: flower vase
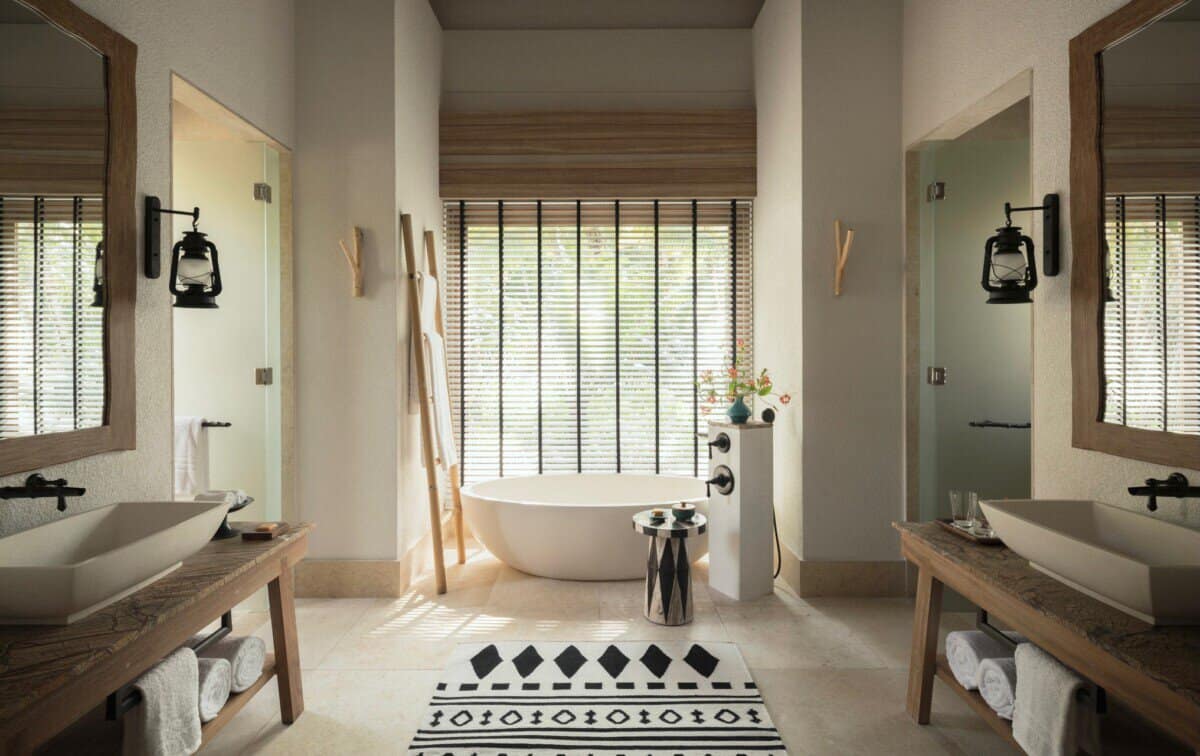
x: 738, y: 412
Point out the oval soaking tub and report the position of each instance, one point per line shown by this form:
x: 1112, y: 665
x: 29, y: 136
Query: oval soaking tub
x: 575, y: 526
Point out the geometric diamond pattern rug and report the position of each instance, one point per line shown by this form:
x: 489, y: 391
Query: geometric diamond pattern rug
x: 643, y: 697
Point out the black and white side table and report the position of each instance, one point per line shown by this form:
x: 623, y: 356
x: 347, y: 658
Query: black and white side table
x: 668, y: 567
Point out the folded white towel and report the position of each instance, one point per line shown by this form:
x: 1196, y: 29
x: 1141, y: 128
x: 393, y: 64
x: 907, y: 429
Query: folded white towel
x: 191, y: 457
x: 216, y: 681
x: 245, y: 656
x: 230, y: 497
x: 1055, y: 710
x: 167, y: 721
x: 998, y: 685
x: 965, y: 649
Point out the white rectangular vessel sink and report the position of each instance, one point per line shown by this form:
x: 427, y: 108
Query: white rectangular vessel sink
x: 1136, y: 563
x: 63, y: 571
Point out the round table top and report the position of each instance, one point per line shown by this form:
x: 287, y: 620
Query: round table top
x: 670, y: 527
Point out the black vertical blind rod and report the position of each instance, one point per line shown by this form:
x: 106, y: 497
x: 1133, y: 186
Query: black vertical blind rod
x: 1160, y: 235
x: 462, y: 336
x: 578, y: 338
x: 617, y: 317
x: 539, y: 334
x: 657, y: 383
x: 76, y: 244
x: 39, y: 221
x: 695, y: 348
x: 500, y: 342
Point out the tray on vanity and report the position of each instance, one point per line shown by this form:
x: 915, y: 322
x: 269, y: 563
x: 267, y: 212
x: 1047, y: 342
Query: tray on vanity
x: 947, y: 524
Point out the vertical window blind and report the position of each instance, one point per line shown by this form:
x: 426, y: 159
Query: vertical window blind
x: 1152, y: 312
x: 576, y: 331
x: 51, y: 339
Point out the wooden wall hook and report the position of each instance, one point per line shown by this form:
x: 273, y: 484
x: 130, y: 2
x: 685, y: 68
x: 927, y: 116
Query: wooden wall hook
x: 355, y: 261
x: 841, y: 253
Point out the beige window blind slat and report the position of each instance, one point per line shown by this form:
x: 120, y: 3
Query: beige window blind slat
x: 51, y: 338
x: 576, y: 331
x: 1152, y: 318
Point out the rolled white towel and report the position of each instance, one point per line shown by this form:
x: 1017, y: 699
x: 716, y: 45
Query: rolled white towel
x: 965, y: 649
x: 245, y: 656
x: 998, y: 684
x: 216, y: 681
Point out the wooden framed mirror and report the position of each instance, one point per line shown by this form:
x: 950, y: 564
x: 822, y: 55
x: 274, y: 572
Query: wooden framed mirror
x: 1135, y: 220
x: 68, y: 256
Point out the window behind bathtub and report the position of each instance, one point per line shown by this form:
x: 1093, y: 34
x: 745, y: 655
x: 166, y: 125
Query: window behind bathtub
x: 577, y: 330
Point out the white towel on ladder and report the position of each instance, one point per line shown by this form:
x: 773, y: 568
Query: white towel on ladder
x: 435, y: 352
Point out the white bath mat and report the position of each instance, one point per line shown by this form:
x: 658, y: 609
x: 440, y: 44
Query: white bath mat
x: 641, y: 697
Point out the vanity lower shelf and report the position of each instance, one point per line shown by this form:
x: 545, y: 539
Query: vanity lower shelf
x: 237, y: 702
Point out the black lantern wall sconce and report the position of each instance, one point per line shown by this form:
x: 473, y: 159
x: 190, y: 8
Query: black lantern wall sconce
x: 1009, y: 263
x: 195, y: 270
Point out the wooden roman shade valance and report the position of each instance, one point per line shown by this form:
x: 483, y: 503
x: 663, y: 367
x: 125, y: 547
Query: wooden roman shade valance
x: 52, y: 150
x: 661, y: 154
x: 1151, y: 150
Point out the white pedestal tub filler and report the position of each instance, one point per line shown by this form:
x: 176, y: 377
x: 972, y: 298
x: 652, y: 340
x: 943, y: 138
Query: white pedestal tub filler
x: 575, y: 526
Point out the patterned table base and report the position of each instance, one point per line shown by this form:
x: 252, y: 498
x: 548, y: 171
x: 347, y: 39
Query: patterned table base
x: 668, y: 582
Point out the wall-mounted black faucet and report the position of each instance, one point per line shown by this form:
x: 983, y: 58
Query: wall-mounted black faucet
x: 37, y: 487
x: 722, y: 478
x: 1176, y: 486
x: 721, y: 443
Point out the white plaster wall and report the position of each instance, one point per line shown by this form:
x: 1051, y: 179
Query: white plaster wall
x: 778, y: 268
x: 418, y: 94
x: 953, y: 58
x: 598, y: 68
x: 367, y: 103
x: 241, y: 53
x: 827, y: 86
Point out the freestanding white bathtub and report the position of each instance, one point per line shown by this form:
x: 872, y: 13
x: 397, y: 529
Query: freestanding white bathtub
x: 575, y: 527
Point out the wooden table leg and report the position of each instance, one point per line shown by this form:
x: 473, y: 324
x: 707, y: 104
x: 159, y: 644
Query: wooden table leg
x: 282, y: 597
x: 926, y: 617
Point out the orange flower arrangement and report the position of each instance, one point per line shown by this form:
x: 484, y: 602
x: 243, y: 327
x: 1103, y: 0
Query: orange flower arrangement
x: 732, y: 386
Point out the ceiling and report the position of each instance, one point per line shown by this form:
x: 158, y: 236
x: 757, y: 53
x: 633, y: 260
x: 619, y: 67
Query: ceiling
x: 596, y: 14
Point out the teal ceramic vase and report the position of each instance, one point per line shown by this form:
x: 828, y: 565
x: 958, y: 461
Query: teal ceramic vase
x: 738, y: 412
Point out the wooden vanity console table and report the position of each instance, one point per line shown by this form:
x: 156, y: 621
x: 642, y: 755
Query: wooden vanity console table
x: 1153, y: 670
x: 52, y: 675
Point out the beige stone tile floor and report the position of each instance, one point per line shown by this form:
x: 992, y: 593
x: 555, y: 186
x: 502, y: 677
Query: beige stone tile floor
x: 833, y: 671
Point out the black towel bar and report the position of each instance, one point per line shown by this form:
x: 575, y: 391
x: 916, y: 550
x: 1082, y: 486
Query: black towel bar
x: 215, y: 424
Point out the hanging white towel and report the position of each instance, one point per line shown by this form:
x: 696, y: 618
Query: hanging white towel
x: 216, y: 680
x: 1055, y: 710
x: 245, y: 656
x: 998, y: 685
x: 167, y: 721
x: 965, y: 649
x: 443, y: 423
x: 191, y: 457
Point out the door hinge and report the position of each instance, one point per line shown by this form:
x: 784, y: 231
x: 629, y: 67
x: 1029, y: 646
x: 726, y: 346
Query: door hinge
x: 935, y: 376
x: 935, y: 191
x: 264, y: 376
x: 262, y: 192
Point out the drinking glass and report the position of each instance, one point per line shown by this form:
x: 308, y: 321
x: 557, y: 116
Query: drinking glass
x: 979, y: 521
x: 960, y: 508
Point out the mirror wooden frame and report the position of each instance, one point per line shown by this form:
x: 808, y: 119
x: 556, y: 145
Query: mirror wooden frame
x: 119, y: 431
x: 1087, y: 264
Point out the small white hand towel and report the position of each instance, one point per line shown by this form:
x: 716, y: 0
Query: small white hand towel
x: 191, y: 457
x: 216, y: 681
x: 167, y: 721
x: 245, y: 656
x: 998, y: 685
x: 1055, y: 710
x: 965, y: 649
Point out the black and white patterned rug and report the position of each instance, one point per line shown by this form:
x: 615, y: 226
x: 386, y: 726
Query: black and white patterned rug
x: 642, y: 697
